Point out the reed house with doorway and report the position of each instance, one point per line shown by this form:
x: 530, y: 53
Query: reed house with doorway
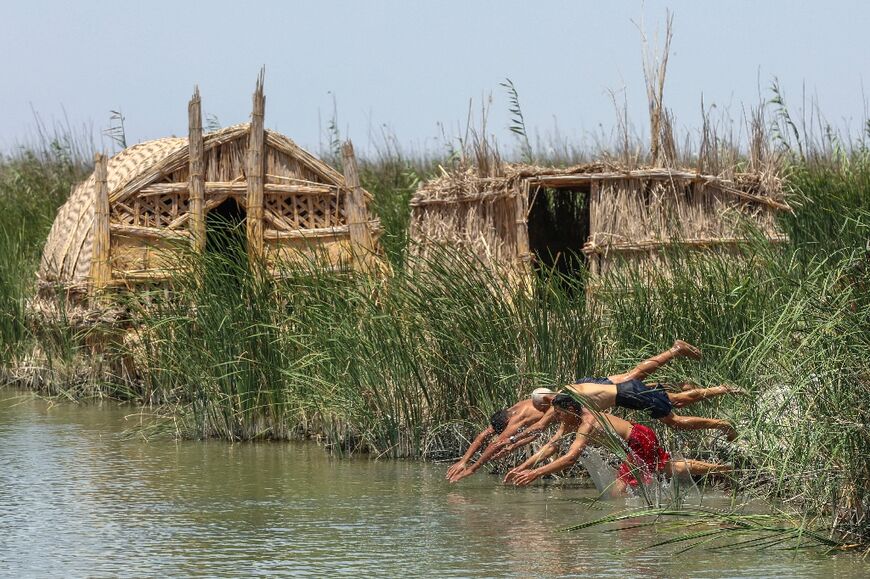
x: 593, y: 216
x: 127, y: 224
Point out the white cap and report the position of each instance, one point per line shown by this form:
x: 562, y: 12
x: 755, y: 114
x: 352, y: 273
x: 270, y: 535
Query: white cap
x: 538, y: 395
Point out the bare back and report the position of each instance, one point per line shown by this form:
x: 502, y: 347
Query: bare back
x: 602, y: 396
x: 620, y: 426
x: 523, y: 413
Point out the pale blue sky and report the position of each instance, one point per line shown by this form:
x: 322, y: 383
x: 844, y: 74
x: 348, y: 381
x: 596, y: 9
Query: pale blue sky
x: 411, y: 65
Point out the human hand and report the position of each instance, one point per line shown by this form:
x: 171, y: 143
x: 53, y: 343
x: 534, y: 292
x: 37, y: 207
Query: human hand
x: 524, y: 478
x: 455, y: 469
x: 459, y: 475
x: 511, y: 474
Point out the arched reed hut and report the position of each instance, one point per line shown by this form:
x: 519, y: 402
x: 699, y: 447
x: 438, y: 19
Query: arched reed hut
x: 598, y: 213
x: 126, y: 224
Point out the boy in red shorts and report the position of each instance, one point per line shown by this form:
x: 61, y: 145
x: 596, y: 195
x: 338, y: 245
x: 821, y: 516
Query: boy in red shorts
x: 645, y: 455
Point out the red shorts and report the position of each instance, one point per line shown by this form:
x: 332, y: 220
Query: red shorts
x: 645, y: 454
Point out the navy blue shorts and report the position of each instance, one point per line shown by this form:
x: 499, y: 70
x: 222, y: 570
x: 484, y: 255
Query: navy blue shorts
x: 636, y: 395
x: 590, y: 380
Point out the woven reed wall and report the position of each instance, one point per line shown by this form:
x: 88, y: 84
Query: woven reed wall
x: 67, y: 253
x: 632, y: 211
x: 485, y: 226
x: 632, y: 215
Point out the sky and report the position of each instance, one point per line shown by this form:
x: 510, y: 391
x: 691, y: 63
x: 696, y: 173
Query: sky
x: 410, y: 69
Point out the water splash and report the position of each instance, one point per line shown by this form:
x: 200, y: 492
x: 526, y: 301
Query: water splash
x: 663, y: 491
x: 602, y: 474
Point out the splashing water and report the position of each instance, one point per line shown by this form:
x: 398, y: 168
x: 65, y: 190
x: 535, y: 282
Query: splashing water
x: 675, y: 491
x: 602, y: 474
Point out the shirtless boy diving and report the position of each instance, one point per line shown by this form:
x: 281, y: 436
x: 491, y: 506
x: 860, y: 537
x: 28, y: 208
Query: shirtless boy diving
x: 629, y: 391
x: 645, y: 457
x: 505, y: 424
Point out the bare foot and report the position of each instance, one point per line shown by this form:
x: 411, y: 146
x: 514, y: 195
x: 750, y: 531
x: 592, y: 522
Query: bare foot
x: 687, y: 349
x: 731, y: 389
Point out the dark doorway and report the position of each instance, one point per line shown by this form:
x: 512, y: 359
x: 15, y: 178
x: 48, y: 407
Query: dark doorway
x: 558, y: 227
x: 226, y: 230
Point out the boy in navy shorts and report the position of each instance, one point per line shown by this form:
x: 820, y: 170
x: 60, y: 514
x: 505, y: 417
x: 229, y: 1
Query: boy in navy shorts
x: 629, y: 391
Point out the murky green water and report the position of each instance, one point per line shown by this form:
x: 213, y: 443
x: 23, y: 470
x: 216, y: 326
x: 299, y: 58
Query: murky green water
x: 79, y: 499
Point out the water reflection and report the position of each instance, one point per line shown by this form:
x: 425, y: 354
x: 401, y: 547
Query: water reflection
x: 79, y: 499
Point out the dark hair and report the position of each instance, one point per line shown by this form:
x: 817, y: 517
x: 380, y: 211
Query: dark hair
x: 499, y: 420
x: 567, y: 403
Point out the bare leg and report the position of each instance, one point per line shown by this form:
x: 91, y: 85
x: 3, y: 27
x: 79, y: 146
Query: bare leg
x: 687, y: 467
x: 650, y: 365
x: 698, y: 423
x: 689, y: 397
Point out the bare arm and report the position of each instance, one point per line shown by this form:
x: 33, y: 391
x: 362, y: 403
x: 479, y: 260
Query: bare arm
x: 543, y: 453
x: 569, y: 458
x: 475, y: 446
x: 520, y: 442
x: 533, y: 432
x: 496, y: 447
x: 542, y: 423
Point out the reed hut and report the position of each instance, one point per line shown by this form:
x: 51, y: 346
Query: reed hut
x: 593, y: 216
x: 126, y: 225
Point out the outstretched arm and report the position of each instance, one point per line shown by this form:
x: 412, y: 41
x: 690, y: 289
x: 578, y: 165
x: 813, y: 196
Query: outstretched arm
x: 495, y: 448
x: 543, y: 453
x: 530, y: 434
x: 520, y: 442
x: 534, y: 432
x: 569, y: 458
x: 459, y: 465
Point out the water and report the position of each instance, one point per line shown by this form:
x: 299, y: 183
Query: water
x: 77, y: 498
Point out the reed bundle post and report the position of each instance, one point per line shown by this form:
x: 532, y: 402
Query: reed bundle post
x: 522, y: 211
x: 255, y: 174
x: 101, y: 272
x: 355, y: 207
x: 196, y: 178
x: 594, y: 189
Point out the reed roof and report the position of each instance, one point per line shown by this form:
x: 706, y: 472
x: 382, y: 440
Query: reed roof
x: 467, y: 185
x: 68, y: 250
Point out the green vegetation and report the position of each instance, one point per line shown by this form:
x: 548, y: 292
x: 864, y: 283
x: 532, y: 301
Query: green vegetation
x: 721, y: 530
x: 408, y: 364
x: 33, y: 184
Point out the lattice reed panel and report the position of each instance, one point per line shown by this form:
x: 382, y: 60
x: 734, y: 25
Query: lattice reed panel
x: 307, y: 211
x: 151, y: 210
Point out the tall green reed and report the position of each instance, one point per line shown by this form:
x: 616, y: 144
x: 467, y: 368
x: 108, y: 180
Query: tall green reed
x: 378, y: 362
x: 33, y: 184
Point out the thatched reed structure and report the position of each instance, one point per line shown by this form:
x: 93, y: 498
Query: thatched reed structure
x: 603, y: 213
x: 127, y: 223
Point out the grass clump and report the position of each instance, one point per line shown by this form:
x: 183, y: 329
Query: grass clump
x: 33, y: 184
